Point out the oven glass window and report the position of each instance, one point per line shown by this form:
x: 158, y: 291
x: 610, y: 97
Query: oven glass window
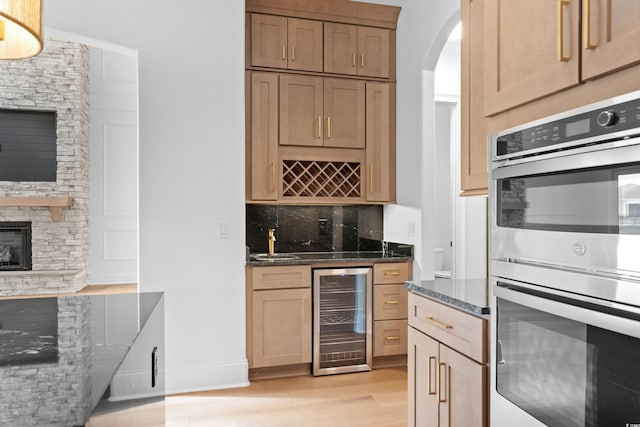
x: 566, y: 373
x: 597, y: 200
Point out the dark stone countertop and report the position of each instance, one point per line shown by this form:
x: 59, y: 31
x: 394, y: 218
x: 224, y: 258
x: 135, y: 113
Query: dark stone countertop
x: 59, y: 354
x: 307, y: 258
x: 470, y: 295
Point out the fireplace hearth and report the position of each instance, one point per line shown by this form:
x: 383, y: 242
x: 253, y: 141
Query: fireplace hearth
x: 15, y: 246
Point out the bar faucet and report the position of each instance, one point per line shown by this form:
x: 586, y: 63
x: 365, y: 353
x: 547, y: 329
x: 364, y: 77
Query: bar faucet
x: 272, y: 239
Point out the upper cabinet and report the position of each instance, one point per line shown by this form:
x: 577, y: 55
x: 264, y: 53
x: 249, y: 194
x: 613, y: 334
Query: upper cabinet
x: 281, y: 42
x: 356, y: 50
x: 532, y: 50
x: 316, y: 111
x: 473, y: 137
x: 522, y: 60
x: 611, y: 36
x: 320, y: 93
x: 535, y: 48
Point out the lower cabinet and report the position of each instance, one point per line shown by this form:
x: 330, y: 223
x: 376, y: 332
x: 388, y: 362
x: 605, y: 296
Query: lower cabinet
x: 390, y: 308
x: 281, y: 327
x: 279, y: 316
x: 446, y: 387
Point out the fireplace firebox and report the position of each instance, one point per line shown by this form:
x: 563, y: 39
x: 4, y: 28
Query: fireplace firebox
x: 15, y: 246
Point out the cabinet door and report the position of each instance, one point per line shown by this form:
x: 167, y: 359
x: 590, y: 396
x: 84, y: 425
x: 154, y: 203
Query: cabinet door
x: 380, y: 153
x: 344, y: 112
x: 373, y: 47
x: 301, y: 110
x: 422, y: 362
x: 268, y: 41
x: 474, y: 177
x: 461, y: 391
x: 531, y: 50
x: 281, y: 327
x: 264, y: 136
x: 340, y: 48
x: 611, y: 35
x: 305, y: 44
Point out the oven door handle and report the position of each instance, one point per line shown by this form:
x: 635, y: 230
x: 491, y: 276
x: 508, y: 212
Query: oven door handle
x: 603, y: 314
x: 613, y: 153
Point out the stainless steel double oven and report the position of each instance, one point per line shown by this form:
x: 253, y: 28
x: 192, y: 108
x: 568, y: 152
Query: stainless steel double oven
x: 564, y: 268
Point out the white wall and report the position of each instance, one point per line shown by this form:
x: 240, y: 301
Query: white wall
x: 191, y: 93
x: 113, y: 222
x: 423, y: 28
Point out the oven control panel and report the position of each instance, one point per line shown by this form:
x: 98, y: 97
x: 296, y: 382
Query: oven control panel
x: 607, y: 120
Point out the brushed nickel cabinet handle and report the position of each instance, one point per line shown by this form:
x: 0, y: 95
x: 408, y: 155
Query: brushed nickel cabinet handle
x: 394, y: 338
x: 319, y: 126
x: 392, y: 302
x: 293, y: 53
x: 438, y: 323
x: 353, y: 59
x: 328, y: 127
x: 586, y: 29
x: 362, y: 60
x: 284, y: 52
x: 561, y: 6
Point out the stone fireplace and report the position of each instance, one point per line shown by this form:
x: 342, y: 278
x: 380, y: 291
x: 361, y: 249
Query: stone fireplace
x: 15, y: 246
x: 58, y: 211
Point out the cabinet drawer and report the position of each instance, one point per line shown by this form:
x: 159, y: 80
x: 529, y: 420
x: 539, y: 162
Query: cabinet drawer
x: 389, y: 337
x: 390, y: 302
x: 394, y: 272
x: 281, y: 277
x: 459, y: 330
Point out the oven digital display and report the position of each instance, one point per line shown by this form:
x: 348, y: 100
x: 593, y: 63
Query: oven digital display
x: 578, y: 127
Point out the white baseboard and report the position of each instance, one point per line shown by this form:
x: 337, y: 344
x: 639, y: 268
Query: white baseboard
x: 188, y: 379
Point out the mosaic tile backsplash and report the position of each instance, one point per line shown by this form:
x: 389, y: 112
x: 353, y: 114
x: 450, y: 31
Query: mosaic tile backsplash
x: 315, y: 228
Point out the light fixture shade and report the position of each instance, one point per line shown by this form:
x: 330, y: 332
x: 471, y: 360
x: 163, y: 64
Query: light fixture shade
x: 20, y: 28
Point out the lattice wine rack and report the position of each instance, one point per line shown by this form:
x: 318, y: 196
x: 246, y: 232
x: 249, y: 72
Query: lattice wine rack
x: 306, y: 178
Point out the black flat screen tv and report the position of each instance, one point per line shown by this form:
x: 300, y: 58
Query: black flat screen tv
x: 27, y: 145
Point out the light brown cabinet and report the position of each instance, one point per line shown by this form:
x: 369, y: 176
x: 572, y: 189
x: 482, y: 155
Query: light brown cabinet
x: 380, y: 156
x: 610, y: 36
x: 356, y: 50
x: 278, y: 316
x: 537, y: 48
x: 447, y: 366
x: 390, y: 308
x: 264, y: 136
x: 531, y: 50
x: 281, y: 42
x: 331, y: 140
x: 316, y: 111
x: 473, y: 139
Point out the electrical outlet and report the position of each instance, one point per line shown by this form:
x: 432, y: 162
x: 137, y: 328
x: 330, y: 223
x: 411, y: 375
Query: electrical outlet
x: 322, y: 226
x: 412, y: 228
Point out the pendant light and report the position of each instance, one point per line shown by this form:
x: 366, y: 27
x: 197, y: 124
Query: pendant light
x: 20, y: 28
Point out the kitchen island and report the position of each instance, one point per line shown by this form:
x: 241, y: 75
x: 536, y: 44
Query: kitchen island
x: 67, y: 359
x: 448, y: 354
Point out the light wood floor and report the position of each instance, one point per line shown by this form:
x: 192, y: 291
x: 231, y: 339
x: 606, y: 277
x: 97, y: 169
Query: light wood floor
x: 372, y: 399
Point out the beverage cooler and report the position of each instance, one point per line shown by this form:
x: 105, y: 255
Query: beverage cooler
x: 342, y: 301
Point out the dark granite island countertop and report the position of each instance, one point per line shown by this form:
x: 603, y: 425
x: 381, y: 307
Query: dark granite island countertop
x: 58, y: 355
x: 470, y: 295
